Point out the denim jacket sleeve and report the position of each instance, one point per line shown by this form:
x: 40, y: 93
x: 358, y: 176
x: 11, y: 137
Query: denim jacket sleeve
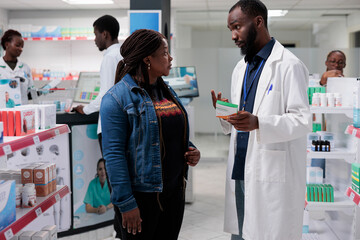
x: 114, y: 141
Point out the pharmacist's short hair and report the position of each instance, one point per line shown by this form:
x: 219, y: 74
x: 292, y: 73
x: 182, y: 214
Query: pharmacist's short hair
x: 336, y: 51
x: 107, y: 23
x: 252, y: 8
x: 8, y: 37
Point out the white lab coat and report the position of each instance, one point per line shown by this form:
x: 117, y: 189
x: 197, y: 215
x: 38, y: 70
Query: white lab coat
x: 107, y: 78
x: 21, y: 70
x: 275, y: 167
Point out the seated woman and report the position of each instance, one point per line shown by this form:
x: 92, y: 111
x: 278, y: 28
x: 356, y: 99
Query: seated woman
x: 97, y: 198
x: 335, y: 63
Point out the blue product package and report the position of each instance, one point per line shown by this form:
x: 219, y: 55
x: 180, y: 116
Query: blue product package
x: 7, y: 203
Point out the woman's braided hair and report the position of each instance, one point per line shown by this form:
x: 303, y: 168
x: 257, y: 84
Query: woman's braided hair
x: 140, y: 44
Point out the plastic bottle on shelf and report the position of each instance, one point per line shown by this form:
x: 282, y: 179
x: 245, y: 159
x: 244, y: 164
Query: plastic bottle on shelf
x: 356, y: 107
x: 331, y: 100
x: 338, y: 100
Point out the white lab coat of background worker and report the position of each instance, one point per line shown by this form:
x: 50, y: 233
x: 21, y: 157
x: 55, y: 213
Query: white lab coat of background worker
x: 107, y: 78
x: 275, y: 166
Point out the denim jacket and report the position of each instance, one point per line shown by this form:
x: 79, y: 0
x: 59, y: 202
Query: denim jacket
x: 131, y: 142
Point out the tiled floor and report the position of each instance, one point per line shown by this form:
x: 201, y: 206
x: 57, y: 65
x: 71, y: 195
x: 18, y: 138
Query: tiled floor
x: 204, y: 217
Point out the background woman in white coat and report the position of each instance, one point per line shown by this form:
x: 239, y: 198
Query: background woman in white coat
x: 10, y: 66
x: 267, y: 157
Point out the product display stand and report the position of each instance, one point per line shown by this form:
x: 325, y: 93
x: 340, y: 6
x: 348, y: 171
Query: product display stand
x: 26, y: 215
x: 340, y: 216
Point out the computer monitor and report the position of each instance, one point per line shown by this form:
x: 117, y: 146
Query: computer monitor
x: 88, y: 87
x: 184, y: 81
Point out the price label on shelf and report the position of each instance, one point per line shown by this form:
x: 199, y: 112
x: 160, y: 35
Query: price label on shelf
x: 36, y: 140
x: 7, y: 149
x: 57, y: 197
x: 57, y: 132
x: 9, y: 234
x: 38, y: 211
x: 352, y: 196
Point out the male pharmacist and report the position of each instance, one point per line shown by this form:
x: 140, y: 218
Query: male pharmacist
x: 265, y: 185
x: 106, y: 30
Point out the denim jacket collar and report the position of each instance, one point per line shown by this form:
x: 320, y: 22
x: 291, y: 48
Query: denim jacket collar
x: 130, y: 82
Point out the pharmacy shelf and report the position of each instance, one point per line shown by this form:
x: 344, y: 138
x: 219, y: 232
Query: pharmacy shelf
x: 354, y: 196
x: 12, y: 144
x: 336, y: 153
x: 24, y: 216
x: 348, y: 111
x: 353, y: 131
x: 341, y: 202
x: 80, y: 38
x: 58, y: 38
x: 75, y: 78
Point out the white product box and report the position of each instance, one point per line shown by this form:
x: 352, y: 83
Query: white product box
x: 48, y: 116
x: 26, y: 235
x: 224, y: 109
x: 52, y: 229
x: 7, y: 203
x: 40, y: 235
x: 24, y: 121
x: 310, y: 175
x: 319, y: 175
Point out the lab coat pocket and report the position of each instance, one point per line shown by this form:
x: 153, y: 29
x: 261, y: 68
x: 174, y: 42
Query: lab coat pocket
x: 270, y: 166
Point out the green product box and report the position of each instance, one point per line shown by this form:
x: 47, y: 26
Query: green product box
x: 355, y: 169
x: 316, y: 193
x: 307, y: 192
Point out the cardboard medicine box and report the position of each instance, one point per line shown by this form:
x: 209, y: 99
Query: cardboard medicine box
x: 7, y: 203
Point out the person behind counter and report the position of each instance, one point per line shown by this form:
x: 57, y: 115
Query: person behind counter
x: 335, y: 63
x: 146, y: 141
x: 106, y: 30
x: 97, y: 198
x: 10, y: 66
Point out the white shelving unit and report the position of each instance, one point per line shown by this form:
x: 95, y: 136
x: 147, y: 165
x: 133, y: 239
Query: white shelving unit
x: 13, y: 144
x: 342, y: 205
x: 26, y: 215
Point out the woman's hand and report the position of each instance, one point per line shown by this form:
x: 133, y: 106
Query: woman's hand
x: 110, y: 205
x: 330, y: 73
x: 101, y: 209
x: 131, y: 220
x: 192, y: 156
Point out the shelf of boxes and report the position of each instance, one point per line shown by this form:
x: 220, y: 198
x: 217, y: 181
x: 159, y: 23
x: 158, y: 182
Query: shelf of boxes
x: 348, y: 111
x: 12, y: 144
x: 75, y: 78
x: 337, y: 153
x: 341, y: 202
x: 79, y: 38
x: 24, y: 216
x: 58, y: 38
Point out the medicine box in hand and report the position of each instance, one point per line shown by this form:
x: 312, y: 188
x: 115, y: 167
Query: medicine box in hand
x: 224, y: 109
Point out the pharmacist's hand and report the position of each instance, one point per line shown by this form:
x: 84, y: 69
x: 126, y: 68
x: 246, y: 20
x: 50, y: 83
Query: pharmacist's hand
x: 330, y: 73
x: 101, y: 209
x: 214, y: 98
x: 243, y: 121
x: 192, y: 156
x: 131, y: 220
x: 79, y: 109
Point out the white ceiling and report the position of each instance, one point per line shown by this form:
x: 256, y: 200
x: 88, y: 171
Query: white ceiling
x: 212, y: 14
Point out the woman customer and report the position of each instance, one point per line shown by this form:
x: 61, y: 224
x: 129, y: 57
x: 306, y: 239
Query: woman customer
x: 335, y: 63
x: 97, y: 198
x: 146, y: 141
x: 10, y: 66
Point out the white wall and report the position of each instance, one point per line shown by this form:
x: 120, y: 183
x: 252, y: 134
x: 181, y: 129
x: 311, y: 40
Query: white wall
x: 333, y: 36
x: 3, y: 19
x: 301, y: 38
